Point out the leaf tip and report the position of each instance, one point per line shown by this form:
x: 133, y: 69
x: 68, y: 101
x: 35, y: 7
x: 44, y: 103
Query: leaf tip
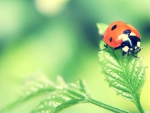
x: 101, y: 28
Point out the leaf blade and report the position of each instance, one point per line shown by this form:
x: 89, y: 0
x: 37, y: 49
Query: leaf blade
x: 125, y: 83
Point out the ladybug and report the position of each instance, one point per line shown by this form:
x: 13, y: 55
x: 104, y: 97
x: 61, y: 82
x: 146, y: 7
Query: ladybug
x: 120, y: 35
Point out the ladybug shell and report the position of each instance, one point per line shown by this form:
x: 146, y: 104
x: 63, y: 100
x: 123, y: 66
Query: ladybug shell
x: 114, y: 30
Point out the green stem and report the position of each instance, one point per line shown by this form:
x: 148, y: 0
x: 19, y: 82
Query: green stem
x: 138, y: 105
x: 105, y: 106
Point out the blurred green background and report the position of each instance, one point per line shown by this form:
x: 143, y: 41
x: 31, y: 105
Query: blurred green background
x: 60, y: 37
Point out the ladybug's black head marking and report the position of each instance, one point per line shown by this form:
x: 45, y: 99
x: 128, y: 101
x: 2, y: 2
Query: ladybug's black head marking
x: 110, y: 39
x: 114, y: 27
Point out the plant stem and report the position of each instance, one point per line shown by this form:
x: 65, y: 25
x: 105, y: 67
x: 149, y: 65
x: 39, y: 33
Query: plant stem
x: 108, y: 107
x: 100, y: 104
x: 138, y: 104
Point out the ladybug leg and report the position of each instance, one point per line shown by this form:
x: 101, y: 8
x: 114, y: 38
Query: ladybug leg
x: 135, y: 55
x: 139, y: 49
x: 124, y: 53
x: 106, y: 46
x: 128, y: 53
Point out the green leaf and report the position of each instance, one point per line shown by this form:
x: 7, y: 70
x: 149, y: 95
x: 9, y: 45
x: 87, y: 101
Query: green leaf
x: 101, y: 28
x: 57, y: 102
x: 125, y: 74
x: 62, y: 96
x: 70, y: 95
x: 31, y: 90
x: 102, y: 45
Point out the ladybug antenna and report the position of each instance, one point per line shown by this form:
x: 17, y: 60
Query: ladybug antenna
x: 135, y: 55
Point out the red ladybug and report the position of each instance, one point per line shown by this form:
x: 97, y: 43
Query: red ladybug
x: 120, y: 35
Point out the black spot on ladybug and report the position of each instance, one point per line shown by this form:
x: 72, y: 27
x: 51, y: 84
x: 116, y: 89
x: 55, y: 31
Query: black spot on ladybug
x: 110, y: 39
x: 128, y: 31
x: 114, y: 27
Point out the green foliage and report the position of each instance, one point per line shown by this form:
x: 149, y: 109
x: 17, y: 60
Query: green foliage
x: 101, y: 27
x: 69, y: 95
x: 32, y: 89
x: 125, y: 74
x: 61, y: 96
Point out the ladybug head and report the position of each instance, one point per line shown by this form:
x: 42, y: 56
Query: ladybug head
x: 130, y: 42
